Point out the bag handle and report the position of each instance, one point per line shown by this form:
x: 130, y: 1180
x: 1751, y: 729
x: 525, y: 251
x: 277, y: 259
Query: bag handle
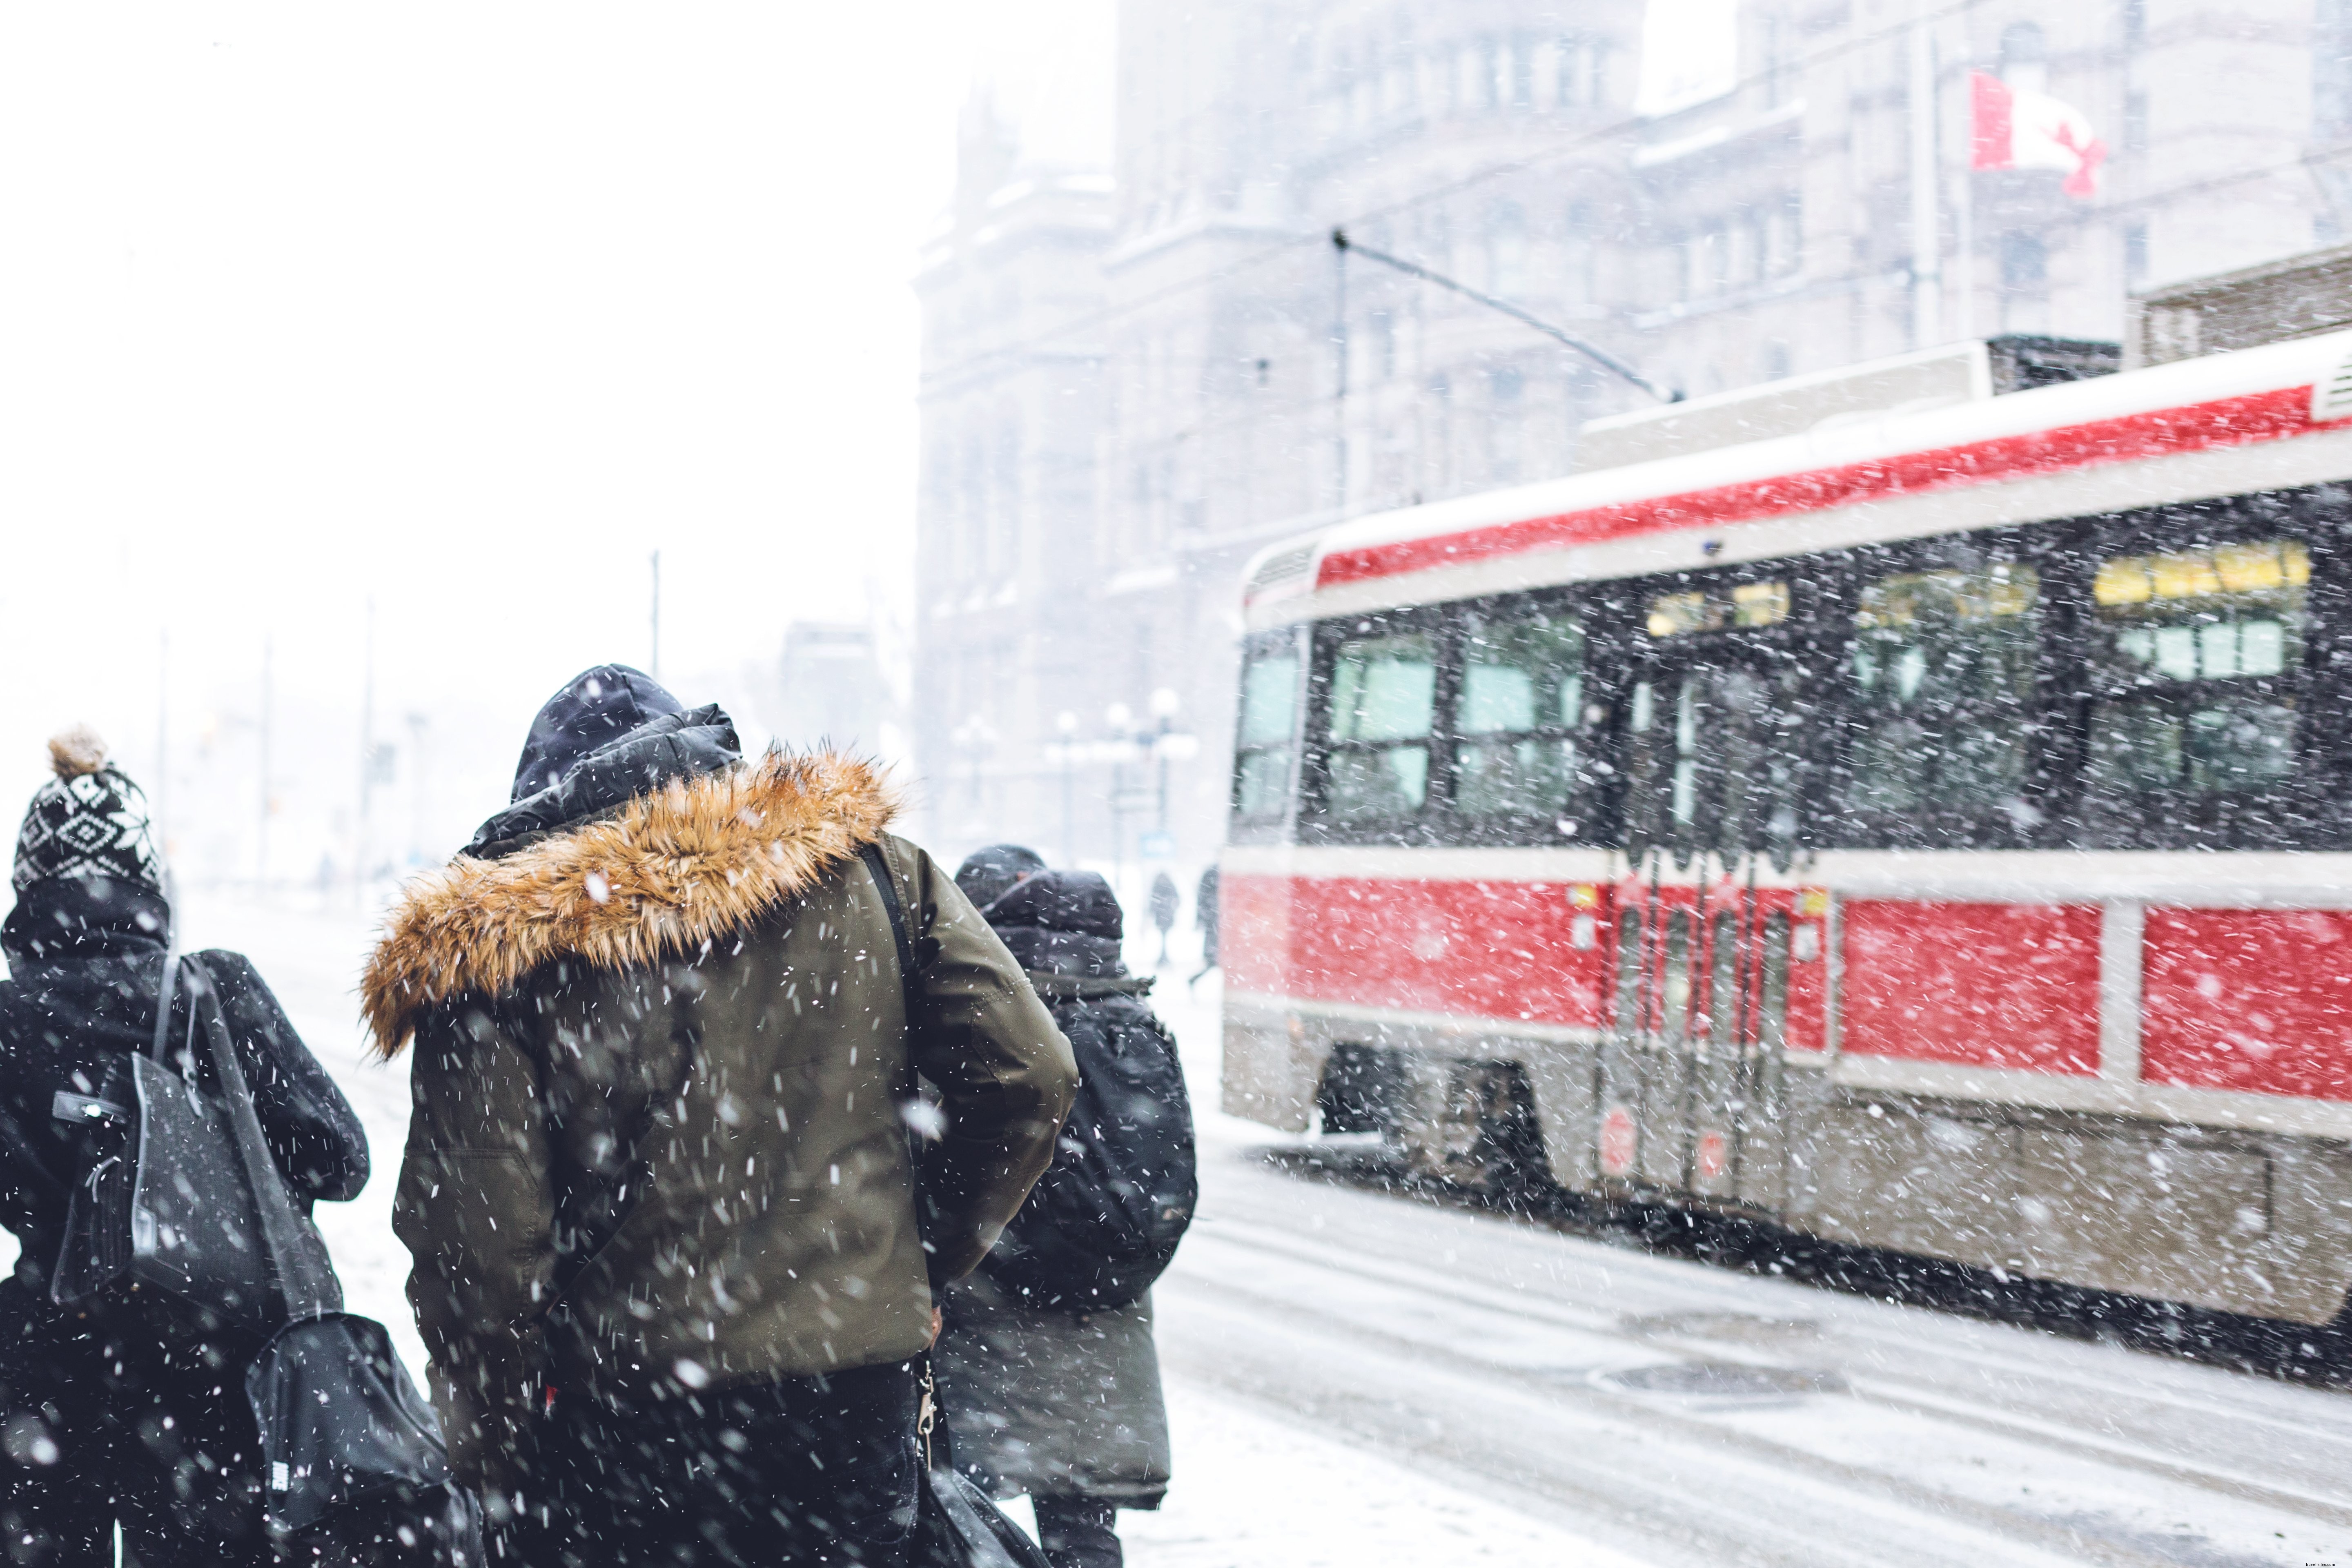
x: 306, y: 1276
x: 164, y: 1008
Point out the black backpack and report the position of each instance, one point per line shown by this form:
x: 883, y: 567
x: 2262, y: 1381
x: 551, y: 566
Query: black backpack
x: 1104, y: 1218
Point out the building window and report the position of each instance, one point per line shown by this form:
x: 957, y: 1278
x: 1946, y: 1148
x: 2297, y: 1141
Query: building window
x: 2024, y: 261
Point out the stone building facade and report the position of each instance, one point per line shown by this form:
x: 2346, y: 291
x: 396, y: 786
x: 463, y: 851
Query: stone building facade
x: 1136, y: 378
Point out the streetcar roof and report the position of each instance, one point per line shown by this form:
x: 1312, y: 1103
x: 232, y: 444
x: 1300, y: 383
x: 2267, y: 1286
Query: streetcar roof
x: 2275, y: 416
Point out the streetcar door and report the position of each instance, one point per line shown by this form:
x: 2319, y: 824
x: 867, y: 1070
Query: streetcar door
x: 1714, y: 730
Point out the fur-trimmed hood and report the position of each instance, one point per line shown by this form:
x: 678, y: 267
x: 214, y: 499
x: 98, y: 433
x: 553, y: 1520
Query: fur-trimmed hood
x: 683, y: 865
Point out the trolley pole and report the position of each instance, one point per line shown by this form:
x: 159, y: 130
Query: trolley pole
x: 1593, y: 352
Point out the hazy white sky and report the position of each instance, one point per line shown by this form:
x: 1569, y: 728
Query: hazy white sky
x: 467, y: 308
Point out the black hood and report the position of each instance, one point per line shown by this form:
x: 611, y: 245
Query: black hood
x: 1078, y: 902
x: 610, y: 735
x: 987, y: 875
x: 1062, y: 922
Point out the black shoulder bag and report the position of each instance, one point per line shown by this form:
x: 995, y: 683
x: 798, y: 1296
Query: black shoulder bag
x: 165, y: 1225
x: 189, y: 1215
x: 956, y: 1524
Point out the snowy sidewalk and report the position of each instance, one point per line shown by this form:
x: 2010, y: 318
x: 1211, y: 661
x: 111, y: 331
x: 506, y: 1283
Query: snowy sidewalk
x: 1250, y: 1491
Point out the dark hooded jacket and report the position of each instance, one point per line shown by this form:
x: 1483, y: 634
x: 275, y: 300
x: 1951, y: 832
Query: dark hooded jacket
x: 665, y: 1067
x: 1040, y: 1398
x: 86, y: 966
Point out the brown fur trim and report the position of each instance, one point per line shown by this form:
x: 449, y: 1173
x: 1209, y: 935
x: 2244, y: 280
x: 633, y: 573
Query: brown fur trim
x: 685, y: 865
x: 76, y: 752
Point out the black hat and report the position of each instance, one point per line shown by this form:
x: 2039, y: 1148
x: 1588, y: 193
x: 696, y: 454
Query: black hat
x: 987, y: 874
x: 1079, y: 903
x: 88, y: 821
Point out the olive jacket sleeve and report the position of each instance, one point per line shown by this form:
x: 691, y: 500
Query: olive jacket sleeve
x: 1005, y: 1074
x: 476, y: 1209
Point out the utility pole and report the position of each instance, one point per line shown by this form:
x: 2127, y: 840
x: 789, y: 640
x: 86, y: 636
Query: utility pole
x: 1339, y: 374
x: 417, y: 725
x: 367, y: 756
x: 656, y: 671
x: 1926, y: 239
x: 163, y: 740
x: 261, y: 826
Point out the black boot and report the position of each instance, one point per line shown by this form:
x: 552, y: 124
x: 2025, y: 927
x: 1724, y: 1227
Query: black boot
x: 1076, y: 1531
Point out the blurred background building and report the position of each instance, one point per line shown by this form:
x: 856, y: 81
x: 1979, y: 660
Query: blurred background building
x: 1135, y: 378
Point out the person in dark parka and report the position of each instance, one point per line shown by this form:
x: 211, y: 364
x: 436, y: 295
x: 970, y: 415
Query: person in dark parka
x: 104, y: 1423
x: 1064, y: 1406
x: 675, y: 1261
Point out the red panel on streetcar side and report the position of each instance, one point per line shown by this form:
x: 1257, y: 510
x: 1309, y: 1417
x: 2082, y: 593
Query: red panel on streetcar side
x: 2248, y: 999
x: 1254, y: 935
x: 1493, y: 950
x: 1990, y: 985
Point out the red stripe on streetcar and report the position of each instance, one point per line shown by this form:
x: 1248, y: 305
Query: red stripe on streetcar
x: 2225, y: 422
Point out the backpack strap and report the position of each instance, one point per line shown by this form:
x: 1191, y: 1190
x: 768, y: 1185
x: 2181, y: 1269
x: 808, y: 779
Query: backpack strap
x: 880, y: 870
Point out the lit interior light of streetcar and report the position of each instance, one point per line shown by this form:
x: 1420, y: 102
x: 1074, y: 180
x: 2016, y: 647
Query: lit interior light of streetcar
x: 1748, y: 606
x: 1759, y: 604
x: 2269, y: 566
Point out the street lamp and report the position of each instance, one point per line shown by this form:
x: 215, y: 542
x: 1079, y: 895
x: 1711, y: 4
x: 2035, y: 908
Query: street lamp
x: 1067, y: 722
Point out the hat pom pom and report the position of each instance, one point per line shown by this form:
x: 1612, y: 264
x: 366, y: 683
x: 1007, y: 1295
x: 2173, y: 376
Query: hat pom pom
x: 77, y: 751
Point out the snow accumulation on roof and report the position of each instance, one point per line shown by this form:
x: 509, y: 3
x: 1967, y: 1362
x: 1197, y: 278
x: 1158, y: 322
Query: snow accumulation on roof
x: 2273, y: 393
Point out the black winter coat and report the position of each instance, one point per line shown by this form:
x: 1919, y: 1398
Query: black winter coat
x: 86, y: 965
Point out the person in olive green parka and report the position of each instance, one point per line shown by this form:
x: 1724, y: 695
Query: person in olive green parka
x: 669, y: 1240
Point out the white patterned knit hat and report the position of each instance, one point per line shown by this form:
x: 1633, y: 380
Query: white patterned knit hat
x: 88, y: 821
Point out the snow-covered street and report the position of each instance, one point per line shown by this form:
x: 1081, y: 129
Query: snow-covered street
x: 1362, y: 1379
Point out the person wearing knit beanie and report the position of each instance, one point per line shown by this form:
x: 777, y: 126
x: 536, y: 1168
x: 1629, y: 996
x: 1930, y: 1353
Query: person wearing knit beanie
x: 120, y: 1428
x: 88, y: 821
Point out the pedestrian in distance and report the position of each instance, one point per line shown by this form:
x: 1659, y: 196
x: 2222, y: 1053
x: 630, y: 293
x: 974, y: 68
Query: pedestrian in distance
x: 1205, y: 915
x: 672, y: 1259
x: 109, y: 1420
x: 1164, y: 901
x: 1047, y: 1370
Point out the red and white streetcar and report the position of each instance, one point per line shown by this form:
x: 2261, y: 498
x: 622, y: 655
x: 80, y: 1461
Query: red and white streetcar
x: 1929, y: 829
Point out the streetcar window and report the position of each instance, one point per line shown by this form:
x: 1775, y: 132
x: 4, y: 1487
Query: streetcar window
x: 1269, y: 716
x: 1940, y: 681
x: 1522, y: 703
x: 2193, y: 656
x: 1383, y: 694
x: 1269, y: 698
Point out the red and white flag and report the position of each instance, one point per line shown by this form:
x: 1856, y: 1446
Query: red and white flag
x: 2015, y: 129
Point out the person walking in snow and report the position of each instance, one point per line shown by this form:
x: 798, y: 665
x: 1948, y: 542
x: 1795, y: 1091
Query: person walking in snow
x: 672, y: 1259
x: 107, y: 1423
x: 1049, y: 1388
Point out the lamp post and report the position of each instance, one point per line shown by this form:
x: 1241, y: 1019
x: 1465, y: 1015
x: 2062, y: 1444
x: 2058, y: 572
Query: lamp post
x: 1067, y: 723
x: 1119, y: 719
x: 1165, y: 704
